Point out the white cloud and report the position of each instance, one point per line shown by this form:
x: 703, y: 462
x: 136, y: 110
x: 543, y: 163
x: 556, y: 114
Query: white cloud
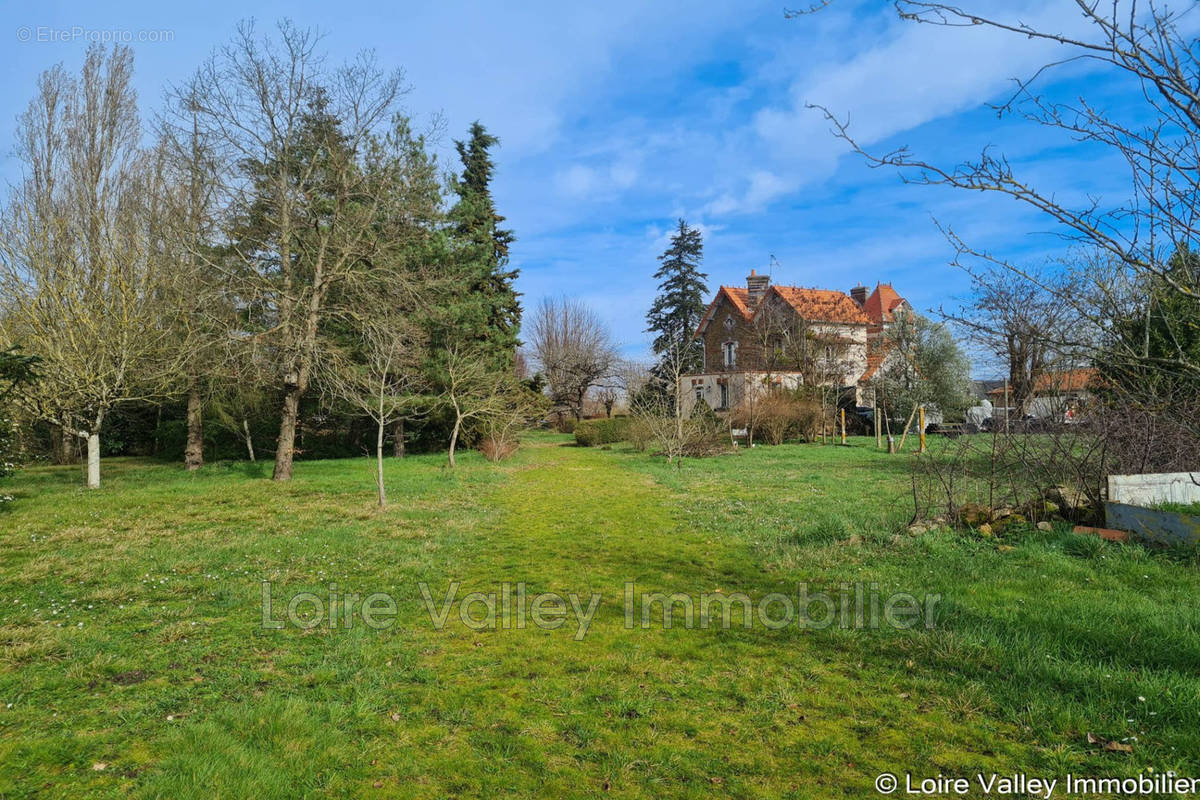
x: 581, y: 181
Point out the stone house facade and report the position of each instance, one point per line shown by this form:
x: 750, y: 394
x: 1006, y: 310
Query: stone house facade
x: 762, y: 335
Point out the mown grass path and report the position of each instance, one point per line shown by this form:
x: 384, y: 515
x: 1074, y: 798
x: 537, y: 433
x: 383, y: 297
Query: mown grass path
x: 651, y: 711
x: 133, y: 651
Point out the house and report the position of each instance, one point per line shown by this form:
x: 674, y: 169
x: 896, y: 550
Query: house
x: 1056, y: 393
x: 763, y: 335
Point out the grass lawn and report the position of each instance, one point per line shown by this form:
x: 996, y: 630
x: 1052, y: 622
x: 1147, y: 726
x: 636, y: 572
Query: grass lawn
x: 134, y: 661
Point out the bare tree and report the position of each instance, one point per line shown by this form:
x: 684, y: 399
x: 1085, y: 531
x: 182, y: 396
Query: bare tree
x: 325, y: 185
x: 791, y: 352
x: 191, y: 224
x: 573, y: 350
x: 377, y: 375
x: 674, y: 435
x: 474, y: 392
x: 1024, y: 325
x: 1143, y: 45
x: 82, y: 270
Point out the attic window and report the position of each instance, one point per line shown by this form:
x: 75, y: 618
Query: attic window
x: 829, y: 351
x: 728, y: 322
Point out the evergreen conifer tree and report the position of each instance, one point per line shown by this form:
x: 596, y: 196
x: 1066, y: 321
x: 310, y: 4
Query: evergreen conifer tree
x: 485, y: 312
x: 679, y: 306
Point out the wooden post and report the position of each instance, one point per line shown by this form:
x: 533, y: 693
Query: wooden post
x: 907, y: 427
x: 922, y: 424
x: 891, y: 443
x: 878, y: 420
x: 843, y: 426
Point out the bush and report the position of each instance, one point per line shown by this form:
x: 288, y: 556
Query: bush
x: 780, y: 416
x: 8, y: 454
x: 592, y: 432
x: 498, y: 448
x: 640, y: 434
x: 565, y: 425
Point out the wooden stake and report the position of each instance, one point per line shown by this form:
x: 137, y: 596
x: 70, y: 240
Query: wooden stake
x: 878, y: 426
x: 922, y: 424
x: 843, y: 426
x: 907, y: 426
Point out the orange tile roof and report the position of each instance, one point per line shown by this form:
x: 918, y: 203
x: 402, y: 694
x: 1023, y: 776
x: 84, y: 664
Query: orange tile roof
x: 882, y: 302
x: 874, y: 361
x: 822, y: 305
x: 815, y: 305
x: 740, y: 298
x: 1071, y: 380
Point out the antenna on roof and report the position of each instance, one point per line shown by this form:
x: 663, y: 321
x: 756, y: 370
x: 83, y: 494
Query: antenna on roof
x: 773, y: 263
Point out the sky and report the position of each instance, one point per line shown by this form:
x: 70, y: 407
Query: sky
x: 618, y: 118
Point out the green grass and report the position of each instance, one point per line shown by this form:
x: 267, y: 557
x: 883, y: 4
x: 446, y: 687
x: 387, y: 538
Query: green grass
x: 1179, y: 508
x: 131, y: 634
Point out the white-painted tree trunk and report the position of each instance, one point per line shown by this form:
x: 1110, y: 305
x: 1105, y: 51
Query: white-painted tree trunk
x: 93, y: 460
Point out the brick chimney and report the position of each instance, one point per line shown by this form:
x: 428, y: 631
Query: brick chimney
x: 756, y: 286
x: 859, y: 295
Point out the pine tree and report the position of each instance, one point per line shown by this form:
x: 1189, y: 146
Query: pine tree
x: 486, y: 312
x: 679, y: 306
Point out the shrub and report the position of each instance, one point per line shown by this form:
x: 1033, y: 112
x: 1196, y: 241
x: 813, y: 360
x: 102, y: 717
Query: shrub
x: 701, y: 434
x: 565, y: 425
x: 8, y: 455
x: 784, y: 415
x: 640, y: 434
x: 592, y: 432
x: 498, y: 448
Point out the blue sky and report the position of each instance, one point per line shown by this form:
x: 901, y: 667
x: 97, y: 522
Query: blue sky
x: 617, y: 118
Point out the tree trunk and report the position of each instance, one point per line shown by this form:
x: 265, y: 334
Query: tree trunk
x: 678, y: 410
x: 93, y: 459
x: 379, y: 466
x: 64, y: 446
x: 193, y: 453
x: 454, y: 439
x: 249, y: 438
x: 286, y: 443
x: 398, y: 439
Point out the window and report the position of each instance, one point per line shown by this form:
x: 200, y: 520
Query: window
x: 729, y: 322
x: 699, y: 393
x: 730, y: 351
x: 828, y: 351
x: 724, y: 395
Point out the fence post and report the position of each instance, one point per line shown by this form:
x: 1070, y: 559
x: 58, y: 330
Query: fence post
x: 878, y: 424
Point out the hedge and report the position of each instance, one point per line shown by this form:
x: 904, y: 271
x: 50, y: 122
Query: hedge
x: 592, y: 432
